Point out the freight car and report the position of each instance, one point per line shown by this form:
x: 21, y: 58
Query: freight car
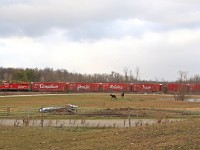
x: 194, y: 88
x: 146, y: 88
x: 175, y: 87
x: 115, y: 87
x: 6, y: 86
x: 83, y: 87
x: 48, y: 86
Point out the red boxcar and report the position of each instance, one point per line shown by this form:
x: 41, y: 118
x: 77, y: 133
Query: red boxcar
x: 172, y: 87
x: 175, y: 87
x: 146, y: 88
x: 115, y: 87
x: 194, y: 88
x: 48, y: 86
x: 83, y: 87
x: 15, y: 86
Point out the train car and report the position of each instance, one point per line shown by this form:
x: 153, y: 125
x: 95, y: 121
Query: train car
x: 146, y: 87
x: 48, y: 86
x: 172, y: 87
x: 194, y: 88
x: 83, y: 87
x: 6, y: 86
x: 115, y: 87
x: 175, y: 87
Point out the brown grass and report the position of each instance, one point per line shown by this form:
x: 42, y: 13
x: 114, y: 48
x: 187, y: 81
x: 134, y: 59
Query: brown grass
x: 180, y: 135
x: 98, y: 101
x: 141, y: 105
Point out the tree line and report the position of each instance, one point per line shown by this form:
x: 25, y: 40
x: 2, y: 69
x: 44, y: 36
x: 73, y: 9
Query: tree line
x: 63, y: 75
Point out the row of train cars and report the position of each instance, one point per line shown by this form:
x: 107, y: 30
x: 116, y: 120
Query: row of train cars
x: 99, y: 87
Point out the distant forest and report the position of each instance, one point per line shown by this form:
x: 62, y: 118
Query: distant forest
x: 62, y: 75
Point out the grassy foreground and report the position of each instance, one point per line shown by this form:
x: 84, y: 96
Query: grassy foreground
x: 184, y: 135
x: 179, y: 135
x: 146, y: 106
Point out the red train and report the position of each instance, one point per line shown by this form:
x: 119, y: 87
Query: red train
x: 99, y: 87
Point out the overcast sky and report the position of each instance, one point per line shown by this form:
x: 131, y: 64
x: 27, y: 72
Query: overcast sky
x: 160, y: 37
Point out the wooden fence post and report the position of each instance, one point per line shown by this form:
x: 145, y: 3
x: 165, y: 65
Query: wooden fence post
x: 129, y: 117
x: 42, y: 120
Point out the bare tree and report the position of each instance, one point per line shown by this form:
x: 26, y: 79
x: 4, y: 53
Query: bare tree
x: 126, y: 74
x: 181, y: 95
x: 183, y: 76
x: 137, y: 73
x: 195, y: 79
x: 131, y: 77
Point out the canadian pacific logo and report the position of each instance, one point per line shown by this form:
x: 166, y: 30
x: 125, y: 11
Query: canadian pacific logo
x: 116, y: 87
x: 48, y: 86
x: 84, y: 87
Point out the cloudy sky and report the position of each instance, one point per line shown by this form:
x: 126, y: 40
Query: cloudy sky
x: 160, y: 37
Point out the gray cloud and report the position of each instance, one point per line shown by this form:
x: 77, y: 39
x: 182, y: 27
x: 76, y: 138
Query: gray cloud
x: 93, y: 18
x: 159, y: 36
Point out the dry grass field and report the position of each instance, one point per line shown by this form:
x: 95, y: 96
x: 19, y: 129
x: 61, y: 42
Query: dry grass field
x: 179, y: 135
x: 147, y: 106
x: 182, y: 135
